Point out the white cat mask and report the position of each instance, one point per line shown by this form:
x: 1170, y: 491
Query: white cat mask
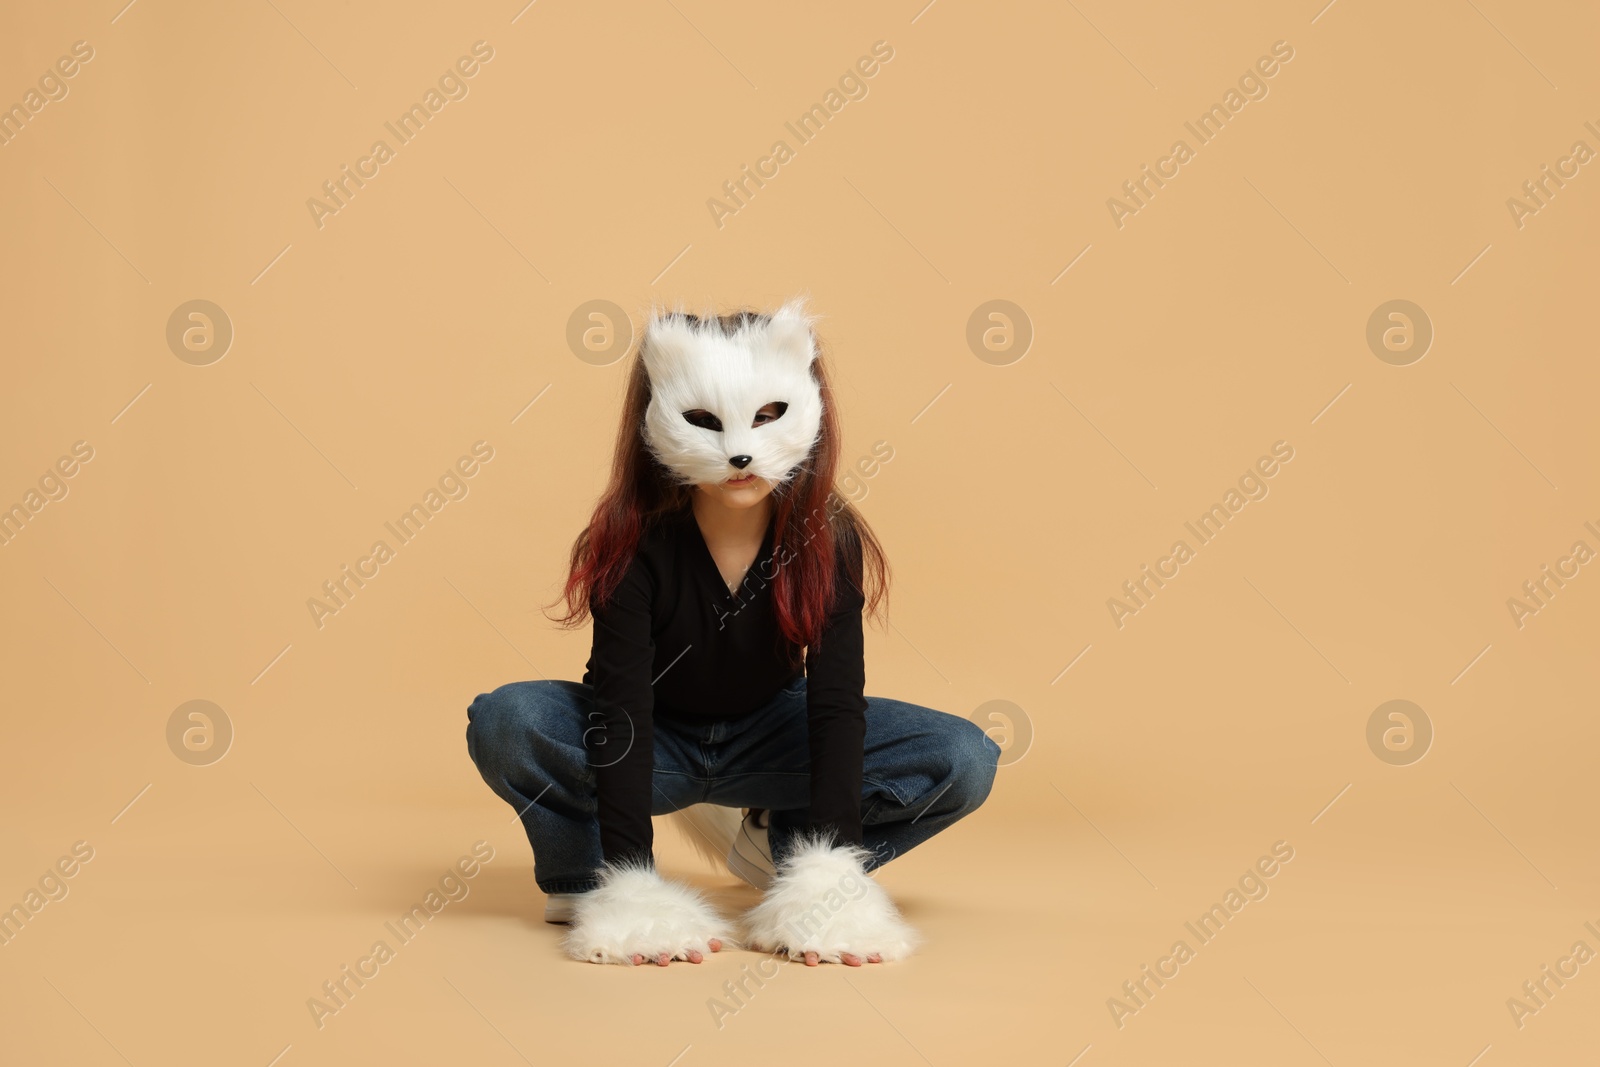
x: 694, y: 366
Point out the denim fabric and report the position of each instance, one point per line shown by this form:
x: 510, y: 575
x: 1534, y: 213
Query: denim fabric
x: 923, y: 769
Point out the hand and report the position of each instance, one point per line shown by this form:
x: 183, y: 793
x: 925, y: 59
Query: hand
x: 823, y: 907
x: 695, y: 956
x: 635, y: 915
x: 850, y: 958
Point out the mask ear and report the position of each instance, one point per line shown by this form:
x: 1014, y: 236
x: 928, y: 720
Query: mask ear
x: 668, y: 346
x: 789, y: 333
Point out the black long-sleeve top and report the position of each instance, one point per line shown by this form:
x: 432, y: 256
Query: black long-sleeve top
x: 673, y: 638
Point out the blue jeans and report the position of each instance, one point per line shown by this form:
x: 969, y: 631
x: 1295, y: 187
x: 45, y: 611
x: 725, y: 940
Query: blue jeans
x: 923, y: 769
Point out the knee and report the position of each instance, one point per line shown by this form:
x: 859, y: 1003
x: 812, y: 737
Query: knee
x: 974, y: 760
x: 501, y: 724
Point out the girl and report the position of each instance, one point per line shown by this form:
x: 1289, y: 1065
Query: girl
x: 718, y: 553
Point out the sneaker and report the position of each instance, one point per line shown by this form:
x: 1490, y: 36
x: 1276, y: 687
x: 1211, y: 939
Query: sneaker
x: 558, y: 907
x: 750, y: 856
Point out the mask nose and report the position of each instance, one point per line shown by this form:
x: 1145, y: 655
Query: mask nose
x: 740, y: 461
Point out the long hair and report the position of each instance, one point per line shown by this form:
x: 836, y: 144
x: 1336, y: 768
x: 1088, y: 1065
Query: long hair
x: 811, y: 520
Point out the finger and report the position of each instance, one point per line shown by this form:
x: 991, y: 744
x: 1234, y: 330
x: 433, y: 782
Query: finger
x: 850, y: 958
x: 664, y: 959
x: 716, y: 944
x: 695, y: 956
x: 874, y: 958
x: 811, y: 959
x: 637, y: 959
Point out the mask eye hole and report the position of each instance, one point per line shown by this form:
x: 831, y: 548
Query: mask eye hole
x: 703, y: 419
x: 771, y: 413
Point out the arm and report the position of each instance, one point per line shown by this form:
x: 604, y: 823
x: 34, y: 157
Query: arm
x: 823, y: 906
x: 619, y: 736
x: 836, y: 708
x: 634, y: 914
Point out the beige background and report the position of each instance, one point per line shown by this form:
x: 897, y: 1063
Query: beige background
x: 1227, y: 314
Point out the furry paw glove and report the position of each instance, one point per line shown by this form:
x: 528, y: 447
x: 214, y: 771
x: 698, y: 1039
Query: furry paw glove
x: 824, y: 901
x: 635, y: 911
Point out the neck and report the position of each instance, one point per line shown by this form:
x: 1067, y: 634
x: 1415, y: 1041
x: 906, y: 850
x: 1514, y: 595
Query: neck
x: 720, y: 524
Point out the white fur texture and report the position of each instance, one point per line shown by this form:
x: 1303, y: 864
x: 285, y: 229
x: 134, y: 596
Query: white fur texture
x: 824, y: 901
x: 695, y: 365
x: 635, y: 910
